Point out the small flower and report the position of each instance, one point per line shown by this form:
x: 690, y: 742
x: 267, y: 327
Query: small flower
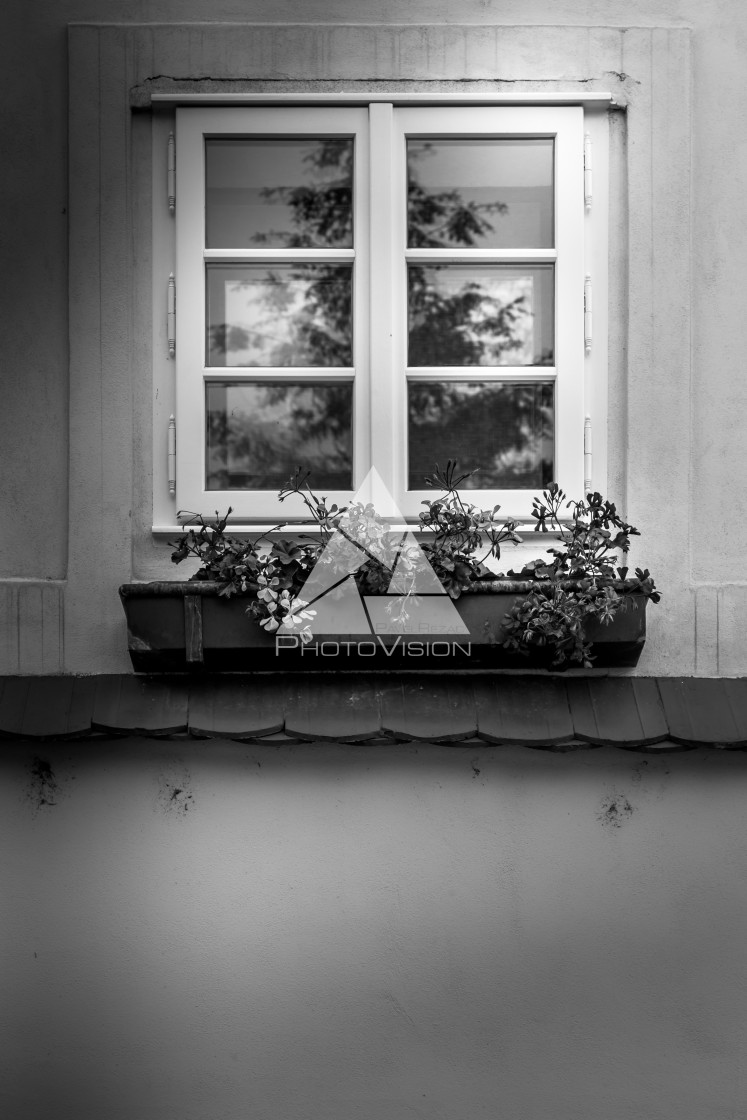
x: 296, y: 615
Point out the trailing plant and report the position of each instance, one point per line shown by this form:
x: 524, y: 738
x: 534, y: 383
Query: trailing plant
x: 582, y: 580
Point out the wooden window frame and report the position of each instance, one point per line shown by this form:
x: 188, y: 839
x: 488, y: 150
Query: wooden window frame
x: 380, y: 334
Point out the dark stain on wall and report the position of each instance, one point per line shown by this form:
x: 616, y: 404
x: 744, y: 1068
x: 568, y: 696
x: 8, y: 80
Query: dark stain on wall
x: 639, y: 771
x: 43, y: 787
x: 181, y: 799
x: 175, y: 793
x: 615, y: 811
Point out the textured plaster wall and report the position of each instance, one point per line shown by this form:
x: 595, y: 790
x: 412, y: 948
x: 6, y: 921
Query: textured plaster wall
x: 75, y: 450
x: 215, y: 930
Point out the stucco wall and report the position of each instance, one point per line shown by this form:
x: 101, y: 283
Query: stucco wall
x: 216, y: 930
x: 75, y: 429
x: 200, y: 930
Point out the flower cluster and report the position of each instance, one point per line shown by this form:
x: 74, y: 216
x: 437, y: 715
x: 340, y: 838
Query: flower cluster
x: 276, y: 607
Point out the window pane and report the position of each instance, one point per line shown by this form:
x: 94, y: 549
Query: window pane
x: 480, y: 315
x: 257, y: 435
x: 484, y: 193
x: 503, y: 430
x: 282, y: 193
x: 279, y: 315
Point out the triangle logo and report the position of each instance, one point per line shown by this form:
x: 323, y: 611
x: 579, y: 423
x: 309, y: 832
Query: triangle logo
x: 372, y: 530
x: 413, y: 574
x: 339, y: 611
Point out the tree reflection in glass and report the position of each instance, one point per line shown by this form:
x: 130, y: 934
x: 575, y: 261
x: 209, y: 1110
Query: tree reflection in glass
x: 284, y: 193
x: 257, y: 434
x: 502, y: 430
x: 487, y: 193
x: 458, y: 314
x: 279, y: 315
x: 480, y: 315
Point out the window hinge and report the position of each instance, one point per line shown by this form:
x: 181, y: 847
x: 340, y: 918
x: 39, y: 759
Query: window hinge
x: 171, y: 316
x: 587, y: 455
x: 587, y: 314
x: 172, y: 454
x: 587, y: 171
x: 171, y: 174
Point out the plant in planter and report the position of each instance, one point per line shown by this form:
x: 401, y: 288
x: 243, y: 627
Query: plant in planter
x: 273, y: 575
x: 460, y: 531
x: 274, y: 572
x: 582, y: 580
x: 579, y: 583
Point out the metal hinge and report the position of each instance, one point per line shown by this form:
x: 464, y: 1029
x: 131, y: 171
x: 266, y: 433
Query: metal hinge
x: 172, y: 455
x: 587, y: 455
x: 587, y: 171
x: 587, y: 314
x: 171, y: 173
x: 171, y: 315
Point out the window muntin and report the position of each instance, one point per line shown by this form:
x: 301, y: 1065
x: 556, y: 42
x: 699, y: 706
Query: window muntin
x: 518, y: 348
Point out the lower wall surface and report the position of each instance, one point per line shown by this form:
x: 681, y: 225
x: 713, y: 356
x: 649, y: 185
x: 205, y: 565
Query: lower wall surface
x: 196, y: 930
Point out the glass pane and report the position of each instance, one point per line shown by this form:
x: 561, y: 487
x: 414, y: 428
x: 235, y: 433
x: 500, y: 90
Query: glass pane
x: 490, y: 194
x: 282, y: 193
x: 257, y: 435
x: 279, y: 315
x: 503, y: 430
x: 480, y: 315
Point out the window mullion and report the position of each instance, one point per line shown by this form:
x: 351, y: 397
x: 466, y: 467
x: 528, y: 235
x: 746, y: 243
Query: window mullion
x: 386, y: 294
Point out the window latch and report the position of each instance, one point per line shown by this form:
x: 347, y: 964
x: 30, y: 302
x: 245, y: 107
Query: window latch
x: 171, y: 174
x: 587, y: 314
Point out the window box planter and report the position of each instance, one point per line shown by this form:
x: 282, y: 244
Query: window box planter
x: 179, y: 626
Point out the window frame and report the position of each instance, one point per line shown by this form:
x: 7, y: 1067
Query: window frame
x: 565, y: 125
x: 193, y: 126
x: 381, y: 353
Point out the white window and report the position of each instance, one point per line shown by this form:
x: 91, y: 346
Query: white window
x: 388, y: 286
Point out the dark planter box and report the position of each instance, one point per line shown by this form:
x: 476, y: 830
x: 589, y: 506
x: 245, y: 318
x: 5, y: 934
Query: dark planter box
x: 183, y: 626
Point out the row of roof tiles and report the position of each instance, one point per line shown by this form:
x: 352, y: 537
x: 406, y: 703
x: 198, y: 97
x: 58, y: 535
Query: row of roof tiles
x: 642, y: 713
